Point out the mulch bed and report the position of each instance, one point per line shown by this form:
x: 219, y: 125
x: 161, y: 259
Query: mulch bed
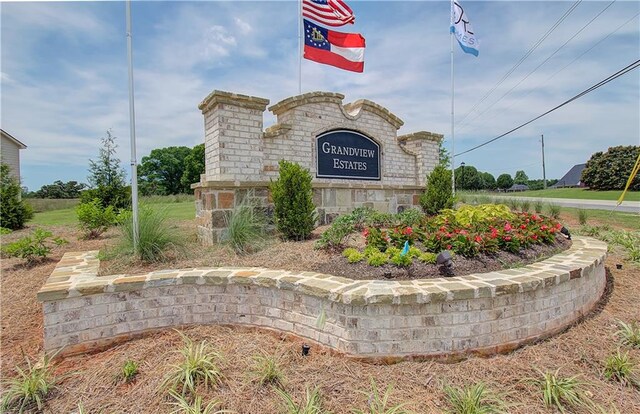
x: 339, y: 266
x: 343, y: 382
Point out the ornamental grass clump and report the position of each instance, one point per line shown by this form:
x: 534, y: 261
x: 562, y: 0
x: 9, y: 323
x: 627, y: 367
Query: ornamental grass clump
x: 629, y: 334
x: 311, y: 405
x: 156, y: 238
x: 246, y: 230
x: 473, y: 399
x: 619, y: 367
x: 198, y: 365
x: 378, y: 403
x: 129, y: 371
x: 196, y: 406
x: 30, y: 388
x: 266, y: 370
x: 563, y: 392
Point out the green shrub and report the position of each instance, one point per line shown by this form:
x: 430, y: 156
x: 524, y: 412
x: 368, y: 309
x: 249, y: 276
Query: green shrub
x: 107, y: 177
x: 13, y: 211
x: 414, y: 252
x: 428, y: 257
x: 504, y: 181
x: 4, y: 231
x: 34, y: 247
x: 353, y: 255
x: 438, y: 194
x: 246, y: 227
x: 30, y: 388
x: 377, y: 258
x: 473, y: 215
x: 155, y: 237
x: 342, y: 227
x: 294, y: 212
x: 410, y: 217
x: 473, y: 399
x: 582, y: 216
x: 199, y: 364
x: 377, y: 404
x: 95, y: 219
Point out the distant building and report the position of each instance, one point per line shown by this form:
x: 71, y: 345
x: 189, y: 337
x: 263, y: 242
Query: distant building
x: 518, y: 187
x: 10, y: 151
x: 573, y: 178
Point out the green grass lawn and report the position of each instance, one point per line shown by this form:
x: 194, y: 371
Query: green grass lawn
x: 629, y: 221
x: 67, y: 217
x: 577, y: 193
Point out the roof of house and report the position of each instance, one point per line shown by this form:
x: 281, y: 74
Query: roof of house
x: 11, y: 138
x: 518, y: 187
x: 572, y: 178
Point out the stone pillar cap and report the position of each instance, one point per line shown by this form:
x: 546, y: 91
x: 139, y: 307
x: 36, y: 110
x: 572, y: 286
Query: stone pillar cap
x: 221, y: 97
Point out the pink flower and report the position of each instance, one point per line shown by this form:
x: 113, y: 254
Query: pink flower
x: 507, y: 227
x: 543, y: 227
x: 494, y: 233
x: 534, y: 237
x: 478, y: 239
x: 507, y: 238
x: 463, y: 232
x: 365, y: 233
x: 448, y: 247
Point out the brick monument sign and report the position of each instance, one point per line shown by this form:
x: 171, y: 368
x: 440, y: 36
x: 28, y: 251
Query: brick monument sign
x: 353, y: 151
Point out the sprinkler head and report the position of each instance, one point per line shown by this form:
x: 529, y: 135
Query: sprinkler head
x: 305, y: 349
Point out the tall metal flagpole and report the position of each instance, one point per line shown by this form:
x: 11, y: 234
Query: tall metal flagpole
x: 299, y: 47
x: 453, y: 145
x: 132, y: 132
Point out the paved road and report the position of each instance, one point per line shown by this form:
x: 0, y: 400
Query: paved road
x: 626, y: 206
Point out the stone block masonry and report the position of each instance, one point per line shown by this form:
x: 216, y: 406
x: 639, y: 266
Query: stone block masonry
x: 480, y: 313
x: 240, y: 155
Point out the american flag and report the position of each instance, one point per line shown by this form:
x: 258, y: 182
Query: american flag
x: 328, y: 12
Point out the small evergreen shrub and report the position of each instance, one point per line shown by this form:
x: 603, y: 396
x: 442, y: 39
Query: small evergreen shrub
x: 14, y: 212
x: 294, y: 212
x: 428, y: 257
x: 95, y: 219
x: 34, y: 247
x: 377, y: 258
x: 353, y: 255
x: 438, y: 194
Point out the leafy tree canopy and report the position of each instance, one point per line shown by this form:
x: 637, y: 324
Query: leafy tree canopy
x: 468, y: 178
x: 161, y: 171
x: 70, y: 189
x: 194, y: 165
x: 520, y: 178
x: 610, y: 170
x: 504, y: 181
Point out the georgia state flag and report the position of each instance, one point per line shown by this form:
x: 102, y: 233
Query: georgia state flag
x: 342, y: 50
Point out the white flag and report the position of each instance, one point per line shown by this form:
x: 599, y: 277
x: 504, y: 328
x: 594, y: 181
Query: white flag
x: 461, y: 27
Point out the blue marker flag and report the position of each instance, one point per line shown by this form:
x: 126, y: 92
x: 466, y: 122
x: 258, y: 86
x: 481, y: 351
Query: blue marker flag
x: 405, y: 249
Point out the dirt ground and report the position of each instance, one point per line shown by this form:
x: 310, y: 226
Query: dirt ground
x: 342, y: 381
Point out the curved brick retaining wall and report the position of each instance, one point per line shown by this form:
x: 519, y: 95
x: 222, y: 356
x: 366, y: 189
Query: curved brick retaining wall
x: 480, y: 313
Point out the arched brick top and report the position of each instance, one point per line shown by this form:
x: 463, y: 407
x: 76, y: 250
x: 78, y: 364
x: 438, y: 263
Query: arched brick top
x: 430, y: 136
x: 350, y: 110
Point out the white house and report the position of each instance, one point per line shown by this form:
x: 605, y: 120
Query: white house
x: 10, y: 151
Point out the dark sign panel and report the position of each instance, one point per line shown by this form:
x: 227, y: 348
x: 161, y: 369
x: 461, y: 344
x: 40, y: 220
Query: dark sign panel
x: 347, y: 154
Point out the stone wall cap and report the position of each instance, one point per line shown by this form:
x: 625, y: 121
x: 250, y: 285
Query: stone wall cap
x: 222, y: 97
x: 355, y: 108
x: 304, y: 99
x: 74, y: 278
x: 424, y: 135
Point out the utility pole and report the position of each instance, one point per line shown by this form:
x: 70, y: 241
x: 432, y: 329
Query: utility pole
x: 544, y: 173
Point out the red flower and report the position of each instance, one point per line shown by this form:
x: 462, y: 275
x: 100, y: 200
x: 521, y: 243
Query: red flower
x: 507, y: 227
x: 478, y: 239
x: 534, y: 237
x: 494, y: 233
x: 463, y: 232
x: 522, y: 226
x: 558, y: 226
x: 543, y: 227
x: 448, y: 247
x: 365, y: 233
x: 408, y: 231
x: 507, y: 238
x: 442, y: 229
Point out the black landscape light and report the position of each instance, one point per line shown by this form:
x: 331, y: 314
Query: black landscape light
x: 305, y: 349
x: 619, y: 266
x: 444, y: 259
x: 565, y: 231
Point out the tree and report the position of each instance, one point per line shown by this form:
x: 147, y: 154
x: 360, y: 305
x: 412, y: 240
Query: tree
x: 611, y: 170
x: 520, y: 178
x: 58, y: 189
x: 107, y: 177
x: 13, y: 211
x: 443, y: 155
x: 468, y: 178
x: 504, y: 181
x: 488, y: 181
x: 438, y: 194
x: 194, y: 165
x: 162, y: 170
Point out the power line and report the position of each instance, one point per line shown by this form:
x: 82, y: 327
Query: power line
x: 567, y: 65
x: 541, y: 64
x: 523, y: 58
x: 603, y: 82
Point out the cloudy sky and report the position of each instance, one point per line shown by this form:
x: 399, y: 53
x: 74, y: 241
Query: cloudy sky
x: 64, y: 75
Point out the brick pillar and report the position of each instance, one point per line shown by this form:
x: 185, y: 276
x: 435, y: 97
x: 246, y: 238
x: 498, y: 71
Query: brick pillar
x: 424, y: 145
x: 233, y: 136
